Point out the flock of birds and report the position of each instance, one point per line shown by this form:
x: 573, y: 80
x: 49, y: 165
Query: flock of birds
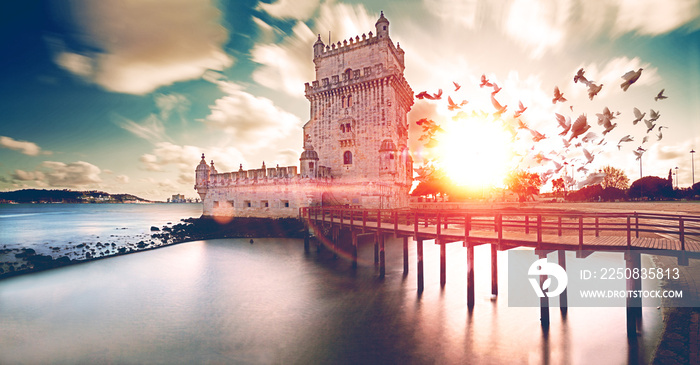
x: 576, y: 136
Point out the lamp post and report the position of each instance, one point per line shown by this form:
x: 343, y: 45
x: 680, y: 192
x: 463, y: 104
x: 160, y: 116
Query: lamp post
x: 676, y: 177
x: 692, y: 163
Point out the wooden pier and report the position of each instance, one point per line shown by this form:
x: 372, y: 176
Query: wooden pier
x: 544, y: 230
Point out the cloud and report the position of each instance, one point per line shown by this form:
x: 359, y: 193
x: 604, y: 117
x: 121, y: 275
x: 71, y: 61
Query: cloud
x: 252, y: 121
x: 150, y: 129
x: 122, y: 179
x: 539, y: 26
x: 288, y: 65
x: 290, y: 9
x: 58, y: 174
x: 167, y: 103
x: 27, y: 148
x: 22, y: 175
x: 649, y: 17
x: 143, y: 44
x: 167, y: 156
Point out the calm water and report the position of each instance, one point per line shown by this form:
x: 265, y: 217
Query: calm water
x: 41, y: 226
x: 229, y: 301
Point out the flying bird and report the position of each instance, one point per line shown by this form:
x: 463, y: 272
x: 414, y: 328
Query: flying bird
x: 537, y: 136
x: 496, y: 89
x: 592, y: 179
x: 639, y: 152
x: 579, y: 76
x: 564, y: 122
x: 521, y: 110
x: 630, y: 78
x: 638, y: 115
x: 558, y: 96
x: 522, y: 125
x: 627, y: 138
x: 485, y: 82
x: 451, y: 105
x: 608, y: 126
x: 593, y: 89
x: 457, y: 86
x: 660, y: 95
x: 579, y: 127
x: 650, y: 125
x: 654, y: 115
x: 589, y: 137
x: 500, y: 109
x: 423, y: 94
x: 588, y: 156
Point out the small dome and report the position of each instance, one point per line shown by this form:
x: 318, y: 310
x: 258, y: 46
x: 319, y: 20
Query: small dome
x: 382, y: 19
x: 309, y: 153
x: 319, y: 41
x: 202, y: 164
x: 387, y: 145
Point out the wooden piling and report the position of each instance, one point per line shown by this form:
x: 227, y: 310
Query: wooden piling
x: 382, y: 261
x: 354, y: 249
x: 544, y: 304
x: 563, y: 300
x: 470, y: 274
x: 443, y: 262
x: 376, y: 248
x: 307, y: 240
x: 632, y: 261
x: 419, y: 249
x: 405, y: 255
x: 494, y: 270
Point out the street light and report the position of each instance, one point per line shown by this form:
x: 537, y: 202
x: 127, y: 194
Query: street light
x: 676, y: 177
x: 692, y: 163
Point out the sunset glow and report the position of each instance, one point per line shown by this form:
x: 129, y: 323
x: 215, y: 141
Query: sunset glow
x: 475, y: 152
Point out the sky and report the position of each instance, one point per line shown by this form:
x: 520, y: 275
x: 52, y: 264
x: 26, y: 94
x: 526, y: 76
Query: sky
x: 124, y: 96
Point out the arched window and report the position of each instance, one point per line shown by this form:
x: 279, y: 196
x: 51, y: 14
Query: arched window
x: 349, y: 103
x: 348, y: 74
x: 347, y: 157
x: 311, y: 165
x: 342, y: 128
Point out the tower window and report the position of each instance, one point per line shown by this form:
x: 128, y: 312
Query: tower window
x: 347, y: 158
x: 385, y: 27
x: 349, y: 103
x: 311, y: 165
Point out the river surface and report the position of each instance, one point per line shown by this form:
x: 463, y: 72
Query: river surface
x: 230, y: 301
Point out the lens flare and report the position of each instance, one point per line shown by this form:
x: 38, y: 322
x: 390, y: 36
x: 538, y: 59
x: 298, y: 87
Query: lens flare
x: 475, y: 152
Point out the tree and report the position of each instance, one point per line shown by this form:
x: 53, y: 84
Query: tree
x: 652, y: 187
x: 559, y: 186
x: 615, y: 178
x: 523, y: 183
x: 588, y: 193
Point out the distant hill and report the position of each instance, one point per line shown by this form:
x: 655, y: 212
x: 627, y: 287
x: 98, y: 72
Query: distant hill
x: 67, y: 196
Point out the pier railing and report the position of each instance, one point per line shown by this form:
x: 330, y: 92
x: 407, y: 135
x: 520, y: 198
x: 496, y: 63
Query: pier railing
x: 466, y: 223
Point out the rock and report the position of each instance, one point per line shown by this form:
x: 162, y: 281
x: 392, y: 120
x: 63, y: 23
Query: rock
x: 154, y: 228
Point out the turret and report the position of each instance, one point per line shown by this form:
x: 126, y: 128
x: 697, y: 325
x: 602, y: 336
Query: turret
x: 382, y: 26
x: 202, y: 177
x: 387, y: 157
x: 309, y: 162
x: 318, y: 47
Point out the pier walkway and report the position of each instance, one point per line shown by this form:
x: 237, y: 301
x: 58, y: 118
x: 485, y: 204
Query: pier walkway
x: 545, y: 230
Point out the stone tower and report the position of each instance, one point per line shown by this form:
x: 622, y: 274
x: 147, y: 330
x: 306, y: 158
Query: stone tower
x: 358, y: 124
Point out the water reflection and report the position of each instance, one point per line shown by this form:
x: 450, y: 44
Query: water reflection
x: 231, y: 302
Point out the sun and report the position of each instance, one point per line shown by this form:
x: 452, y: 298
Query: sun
x: 475, y: 152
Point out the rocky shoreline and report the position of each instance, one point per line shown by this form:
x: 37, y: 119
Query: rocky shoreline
x: 19, y: 261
